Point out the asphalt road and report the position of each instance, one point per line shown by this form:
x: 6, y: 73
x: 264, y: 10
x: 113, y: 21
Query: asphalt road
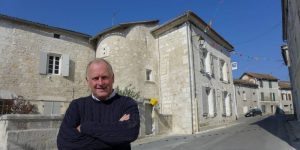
x: 254, y: 133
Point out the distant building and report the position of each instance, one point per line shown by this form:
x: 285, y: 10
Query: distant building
x: 268, y: 97
x: 291, y: 51
x: 246, y: 96
x: 286, y: 100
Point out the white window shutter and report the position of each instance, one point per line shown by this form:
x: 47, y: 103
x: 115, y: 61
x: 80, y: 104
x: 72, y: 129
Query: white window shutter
x: 65, y: 65
x: 43, y: 63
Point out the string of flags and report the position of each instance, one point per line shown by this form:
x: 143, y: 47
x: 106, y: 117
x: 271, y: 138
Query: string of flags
x: 255, y: 58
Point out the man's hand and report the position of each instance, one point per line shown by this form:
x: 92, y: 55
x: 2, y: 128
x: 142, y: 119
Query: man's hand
x: 78, y: 128
x: 125, y: 117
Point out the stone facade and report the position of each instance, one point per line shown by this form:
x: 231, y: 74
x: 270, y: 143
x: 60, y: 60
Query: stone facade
x: 267, y: 91
x: 286, y: 100
x: 27, y: 132
x: 166, y: 62
x: 22, y: 44
x: 183, y: 63
x: 246, y: 96
x: 291, y: 35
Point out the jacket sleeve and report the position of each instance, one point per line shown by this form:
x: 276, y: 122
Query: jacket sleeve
x: 117, y: 132
x: 68, y: 136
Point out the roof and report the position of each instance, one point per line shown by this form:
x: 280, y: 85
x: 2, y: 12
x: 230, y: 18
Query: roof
x: 122, y: 26
x: 245, y: 83
x: 192, y: 17
x: 260, y: 76
x: 39, y: 25
x: 284, y: 85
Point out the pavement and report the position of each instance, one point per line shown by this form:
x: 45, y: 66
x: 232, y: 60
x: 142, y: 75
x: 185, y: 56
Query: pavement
x: 152, y: 138
x: 293, y: 129
x: 292, y: 126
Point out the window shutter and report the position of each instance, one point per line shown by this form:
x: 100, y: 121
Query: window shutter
x: 223, y: 102
x: 215, y: 102
x: 65, y: 65
x: 204, y: 101
x: 212, y: 65
x: 43, y: 63
x: 228, y: 75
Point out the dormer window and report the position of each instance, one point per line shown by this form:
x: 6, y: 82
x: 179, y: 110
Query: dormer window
x: 57, y: 36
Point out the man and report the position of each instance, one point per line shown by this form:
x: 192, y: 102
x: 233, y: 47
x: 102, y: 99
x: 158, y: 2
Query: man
x: 104, y: 120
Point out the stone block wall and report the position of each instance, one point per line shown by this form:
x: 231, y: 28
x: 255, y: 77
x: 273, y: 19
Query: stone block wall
x: 29, y: 132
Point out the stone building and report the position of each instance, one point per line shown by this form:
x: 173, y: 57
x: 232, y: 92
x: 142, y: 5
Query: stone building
x: 246, y: 96
x: 267, y: 90
x: 291, y: 52
x: 183, y: 62
x: 43, y: 64
x: 286, y: 100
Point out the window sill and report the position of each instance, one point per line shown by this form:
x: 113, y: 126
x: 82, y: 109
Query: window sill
x: 150, y: 82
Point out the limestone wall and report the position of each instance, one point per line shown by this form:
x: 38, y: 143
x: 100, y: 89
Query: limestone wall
x: 20, y: 48
x: 131, y: 52
x: 28, y: 132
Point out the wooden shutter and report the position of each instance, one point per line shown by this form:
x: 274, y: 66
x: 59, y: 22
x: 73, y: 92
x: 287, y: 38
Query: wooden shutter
x: 223, y: 102
x: 65, y: 65
x: 43, y: 63
x: 215, y: 102
x: 204, y: 101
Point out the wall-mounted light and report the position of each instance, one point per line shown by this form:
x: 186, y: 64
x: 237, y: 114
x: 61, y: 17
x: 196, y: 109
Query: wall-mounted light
x: 201, y: 40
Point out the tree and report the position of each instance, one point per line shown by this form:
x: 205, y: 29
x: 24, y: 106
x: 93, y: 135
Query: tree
x: 129, y: 91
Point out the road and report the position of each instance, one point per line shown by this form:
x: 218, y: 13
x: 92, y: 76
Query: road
x: 254, y: 133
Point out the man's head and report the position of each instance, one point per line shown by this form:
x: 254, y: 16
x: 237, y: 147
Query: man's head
x: 100, y: 78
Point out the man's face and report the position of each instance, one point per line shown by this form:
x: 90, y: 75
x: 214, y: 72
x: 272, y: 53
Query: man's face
x: 100, y: 80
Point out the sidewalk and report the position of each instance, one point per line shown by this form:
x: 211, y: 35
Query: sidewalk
x: 293, y: 128
x: 152, y: 138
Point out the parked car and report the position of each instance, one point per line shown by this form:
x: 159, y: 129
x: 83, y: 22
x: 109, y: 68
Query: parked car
x: 253, y: 112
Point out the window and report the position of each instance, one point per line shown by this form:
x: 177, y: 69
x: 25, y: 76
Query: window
x: 282, y: 96
x: 212, y: 71
x: 270, y: 84
x: 226, y: 101
x: 274, y: 99
x: 57, y: 36
x: 51, y: 63
x: 261, y: 83
x: 202, y: 53
x: 208, y: 63
x: 244, y: 96
x: 290, y: 97
x: 209, y: 102
x: 148, y: 75
x: 262, y: 96
x: 224, y: 71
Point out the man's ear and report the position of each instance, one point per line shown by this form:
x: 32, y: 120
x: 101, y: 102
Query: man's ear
x: 113, y: 78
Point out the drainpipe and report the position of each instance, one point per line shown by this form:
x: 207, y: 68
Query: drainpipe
x: 191, y: 73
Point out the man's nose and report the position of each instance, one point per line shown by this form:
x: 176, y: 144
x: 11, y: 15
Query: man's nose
x: 100, y: 81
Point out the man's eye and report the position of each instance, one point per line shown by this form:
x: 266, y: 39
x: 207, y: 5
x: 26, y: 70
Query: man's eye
x: 97, y: 78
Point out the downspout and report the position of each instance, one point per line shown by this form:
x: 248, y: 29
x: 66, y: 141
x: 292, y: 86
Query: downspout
x: 191, y: 72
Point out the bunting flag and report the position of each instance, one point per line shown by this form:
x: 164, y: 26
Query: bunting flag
x: 255, y: 58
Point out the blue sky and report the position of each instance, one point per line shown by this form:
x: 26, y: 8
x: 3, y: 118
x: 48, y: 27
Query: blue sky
x: 253, y: 27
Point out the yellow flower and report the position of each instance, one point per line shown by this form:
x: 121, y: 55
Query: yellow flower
x: 153, y: 101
